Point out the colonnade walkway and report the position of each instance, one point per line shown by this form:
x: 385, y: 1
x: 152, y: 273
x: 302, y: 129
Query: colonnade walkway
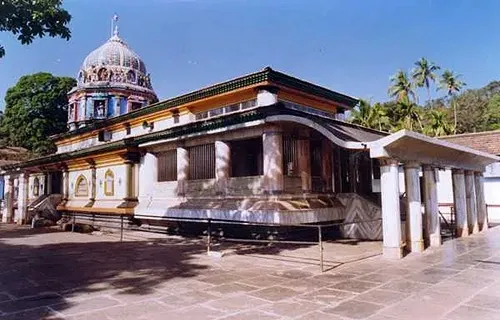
x: 49, y: 274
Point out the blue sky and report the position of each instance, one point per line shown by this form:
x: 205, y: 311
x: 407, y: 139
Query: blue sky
x: 349, y: 46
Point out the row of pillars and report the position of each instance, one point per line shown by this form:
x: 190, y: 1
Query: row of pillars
x: 8, y: 214
x: 273, y: 170
x: 423, y: 228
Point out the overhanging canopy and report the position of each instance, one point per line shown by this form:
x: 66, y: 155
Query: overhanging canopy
x: 407, y: 145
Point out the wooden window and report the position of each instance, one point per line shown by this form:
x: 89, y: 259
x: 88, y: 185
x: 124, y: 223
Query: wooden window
x: 246, y: 158
x: 167, y: 165
x: 290, y: 156
x: 109, y: 183
x: 81, y: 186
x: 202, y: 162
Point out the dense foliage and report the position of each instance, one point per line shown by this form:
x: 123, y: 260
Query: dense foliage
x: 36, y: 108
x: 472, y: 110
x: 33, y: 18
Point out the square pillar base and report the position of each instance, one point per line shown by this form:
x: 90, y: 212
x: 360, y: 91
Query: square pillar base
x: 462, y: 232
x: 392, y: 253
x: 416, y: 246
x: 435, y: 240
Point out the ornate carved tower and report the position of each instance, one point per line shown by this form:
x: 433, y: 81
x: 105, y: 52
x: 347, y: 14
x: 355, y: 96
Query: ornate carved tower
x: 112, y: 81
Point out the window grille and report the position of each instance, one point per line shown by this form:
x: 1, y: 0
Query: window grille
x: 202, y: 162
x: 167, y: 166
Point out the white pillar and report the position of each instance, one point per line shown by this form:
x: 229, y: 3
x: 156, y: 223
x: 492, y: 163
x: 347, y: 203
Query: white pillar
x: 8, y: 199
x: 433, y: 226
x: 182, y: 170
x: 273, y: 159
x: 304, y: 161
x: 391, y: 214
x: 460, y: 204
x: 470, y: 196
x: 65, y: 185
x: 148, y: 173
x: 222, y: 165
x: 414, y: 236
x: 482, y: 212
x: 22, y: 198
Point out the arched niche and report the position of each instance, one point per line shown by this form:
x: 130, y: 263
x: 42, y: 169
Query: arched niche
x: 81, y: 186
x: 109, y: 183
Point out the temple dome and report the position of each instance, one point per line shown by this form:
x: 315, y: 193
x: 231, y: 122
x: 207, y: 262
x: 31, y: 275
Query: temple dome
x: 114, y: 63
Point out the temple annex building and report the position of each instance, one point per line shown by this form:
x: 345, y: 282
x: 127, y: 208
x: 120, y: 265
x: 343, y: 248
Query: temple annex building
x: 264, y: 147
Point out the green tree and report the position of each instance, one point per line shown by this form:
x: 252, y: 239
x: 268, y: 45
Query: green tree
x: 401, y: 86
x: 437, y: 123
x: 29, y: 19
x: 423, y: 74
x: 409, y: 115
x: 361, y: 114
x: 35, y: 109
x: 451, y: 83
x: 374, y: 117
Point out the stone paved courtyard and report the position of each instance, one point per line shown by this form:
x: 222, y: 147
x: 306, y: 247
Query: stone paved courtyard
x: 48, y: 274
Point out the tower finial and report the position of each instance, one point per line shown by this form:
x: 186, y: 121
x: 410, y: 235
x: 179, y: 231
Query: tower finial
x: 114, y: 25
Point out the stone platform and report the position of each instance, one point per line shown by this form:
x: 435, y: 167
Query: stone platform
x: 48, y: 274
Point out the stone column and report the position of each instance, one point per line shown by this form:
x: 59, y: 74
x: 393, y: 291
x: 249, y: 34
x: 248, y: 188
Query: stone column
x: 304, y: 160
x: 222, y: 165
x: 482, y: 212
x: 182, y: 170
x: 432, y: 224
x: 414, y: 227
x: 273, y: 160
x: 65, y: 185
x: 22, y: 198
x: 129, y: 181
x: 148, y: 173
x: 93, y: 182
x: 391, y: 213
x: 48, y: 182
x: 326, y: 164
x: 460, y: 203
x: 8, y: 199
x: 470, y: 196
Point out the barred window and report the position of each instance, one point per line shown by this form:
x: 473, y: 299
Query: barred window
x: 167, y: 165
x: 290, y: 156
x: 202, y: 162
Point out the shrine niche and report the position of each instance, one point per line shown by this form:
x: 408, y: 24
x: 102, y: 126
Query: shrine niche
x: 131, y: 76
x: 103, y: 75
x: 109, y: 183
x: 99, y: 108
x: 36, y: 187
x: 81, y: 186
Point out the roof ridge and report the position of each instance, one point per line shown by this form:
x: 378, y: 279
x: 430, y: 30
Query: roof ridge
x: 470, y: 134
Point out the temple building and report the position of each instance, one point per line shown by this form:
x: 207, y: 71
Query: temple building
x: 263, y: 147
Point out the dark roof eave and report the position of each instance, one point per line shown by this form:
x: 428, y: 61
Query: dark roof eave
x: 194, y: 127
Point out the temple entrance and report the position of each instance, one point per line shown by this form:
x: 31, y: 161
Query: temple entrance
x: 56, y: 182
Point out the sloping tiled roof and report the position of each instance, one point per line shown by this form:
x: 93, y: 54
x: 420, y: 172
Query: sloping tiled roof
x: 488, y: 141
x: 268, y: 74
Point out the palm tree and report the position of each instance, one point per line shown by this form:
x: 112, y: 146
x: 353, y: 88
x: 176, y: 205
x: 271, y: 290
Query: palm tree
x: 401, y: 86
x: 409, y: 113
x: 452, y: 84
x: 361, y: 115
x: 379, y: 117
x: 437, y: 124
x: 423, y: 74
